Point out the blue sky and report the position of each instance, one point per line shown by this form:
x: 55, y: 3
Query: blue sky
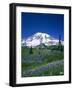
x: 52, y: 24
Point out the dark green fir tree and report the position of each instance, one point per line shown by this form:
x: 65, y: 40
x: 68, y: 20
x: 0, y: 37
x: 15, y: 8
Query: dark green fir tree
x: 31, y: 51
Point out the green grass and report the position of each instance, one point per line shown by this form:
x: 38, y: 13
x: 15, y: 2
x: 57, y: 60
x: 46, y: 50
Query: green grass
x: 24, y: 52
x: 54, y: 57
x: 52, y: 72
x: 49, y: 55
x: 29, y: 66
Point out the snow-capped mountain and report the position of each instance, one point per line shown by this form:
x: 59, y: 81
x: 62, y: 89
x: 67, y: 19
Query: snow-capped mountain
x: 40, y: 38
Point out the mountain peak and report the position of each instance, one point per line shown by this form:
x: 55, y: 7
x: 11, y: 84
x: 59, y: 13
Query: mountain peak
x: 39, y: 38
x: 41, y: 34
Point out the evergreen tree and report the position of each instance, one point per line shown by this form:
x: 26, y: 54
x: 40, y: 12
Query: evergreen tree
x: 31, y: 52
x: 60, y: 45
x: 59, y: 39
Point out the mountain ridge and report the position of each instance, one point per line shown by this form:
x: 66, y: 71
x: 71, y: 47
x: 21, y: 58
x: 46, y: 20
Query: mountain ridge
x: 40, y: 38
